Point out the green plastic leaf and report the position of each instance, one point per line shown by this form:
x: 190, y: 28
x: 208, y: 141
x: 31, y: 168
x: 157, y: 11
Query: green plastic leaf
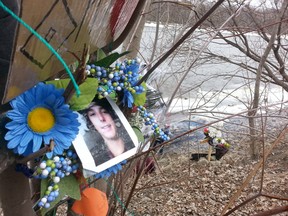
x: 88, y: 91
x: 100, y: 54
x: 68, y: 186
x: 140, y: 99
x: 138, y: 134
x: 108, y: 60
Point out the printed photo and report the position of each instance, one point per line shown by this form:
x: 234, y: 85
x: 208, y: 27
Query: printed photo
x: 105, y: 138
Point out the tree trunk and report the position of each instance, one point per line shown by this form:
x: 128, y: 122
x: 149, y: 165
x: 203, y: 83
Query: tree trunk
x: 254, y: 146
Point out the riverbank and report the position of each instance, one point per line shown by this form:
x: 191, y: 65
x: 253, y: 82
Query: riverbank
x: 184, y: 187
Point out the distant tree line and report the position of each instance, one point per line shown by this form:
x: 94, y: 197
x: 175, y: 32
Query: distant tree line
x: 176, y: 12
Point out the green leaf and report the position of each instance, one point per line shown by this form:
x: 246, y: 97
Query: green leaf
x: 88, y: 91
x: 100, y: 54
x: 62, y: 83
x: 108, y: 60
x: 68, y: 186
x: 140, y: 99
x: 138, y: 134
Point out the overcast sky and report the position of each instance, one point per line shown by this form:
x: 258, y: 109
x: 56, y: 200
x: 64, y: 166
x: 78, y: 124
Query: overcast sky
x: 268, y: 3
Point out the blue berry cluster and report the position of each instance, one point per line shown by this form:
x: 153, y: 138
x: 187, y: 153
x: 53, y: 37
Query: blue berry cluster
x: 55, y: 169
x: 108, y: 172
x: 149, y: 119
x: 123, y: 76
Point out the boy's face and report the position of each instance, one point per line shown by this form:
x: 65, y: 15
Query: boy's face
x: 103, y: 122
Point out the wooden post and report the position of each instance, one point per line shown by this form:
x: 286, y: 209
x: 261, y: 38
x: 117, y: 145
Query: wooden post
x: 209, y: 153
x: 209, y: 149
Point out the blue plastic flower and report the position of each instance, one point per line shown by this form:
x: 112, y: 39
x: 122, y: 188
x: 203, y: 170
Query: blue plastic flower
x: 128, y: 99
x: 39, y: 115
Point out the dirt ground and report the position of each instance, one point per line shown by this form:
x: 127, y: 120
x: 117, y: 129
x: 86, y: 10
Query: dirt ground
x: 184, y: 187
x: 181, y: 187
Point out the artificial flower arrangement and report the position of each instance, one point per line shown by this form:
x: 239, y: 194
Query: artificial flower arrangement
x: 217, y: 142
x: 43, y: 119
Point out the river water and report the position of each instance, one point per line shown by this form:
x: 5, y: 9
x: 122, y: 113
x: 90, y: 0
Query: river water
x: 209, y: 83
x: 212, y: 89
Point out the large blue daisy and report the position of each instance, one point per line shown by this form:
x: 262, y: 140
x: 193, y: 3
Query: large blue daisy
x: 39, y: 115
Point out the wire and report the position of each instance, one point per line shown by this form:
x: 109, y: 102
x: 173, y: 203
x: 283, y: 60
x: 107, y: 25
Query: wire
x: 117, y: 198
x: 45, y: 43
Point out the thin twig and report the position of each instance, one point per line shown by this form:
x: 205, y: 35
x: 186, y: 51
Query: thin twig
x: 135, y: 182
x: 80, y: 76
x: 180, y: 41
x: 242, y: 204
x: 254, y: 171
x: 274, y: 196
x: 197, y: 57
x: 194, y: 129
x: 39, y: 153
x: 161, y: 184
x: 263, y: 147
x: 273, y: 211
x: 157, y: 165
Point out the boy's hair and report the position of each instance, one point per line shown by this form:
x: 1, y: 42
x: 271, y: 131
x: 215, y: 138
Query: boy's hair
x: 102, y: 103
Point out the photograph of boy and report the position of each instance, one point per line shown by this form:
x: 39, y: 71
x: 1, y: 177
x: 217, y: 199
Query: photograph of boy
x: 107, y: 137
